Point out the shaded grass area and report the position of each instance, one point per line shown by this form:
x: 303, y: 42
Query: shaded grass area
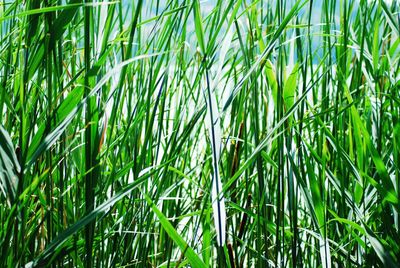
x: 199, y: 134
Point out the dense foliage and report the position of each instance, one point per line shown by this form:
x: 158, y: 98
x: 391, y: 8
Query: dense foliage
x: 183, y: 133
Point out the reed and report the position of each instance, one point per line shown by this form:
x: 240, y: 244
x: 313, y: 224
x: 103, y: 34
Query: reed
x: 199, y: 133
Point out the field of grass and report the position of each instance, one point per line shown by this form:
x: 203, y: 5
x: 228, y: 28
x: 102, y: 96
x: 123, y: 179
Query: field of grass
x: 216, y: 133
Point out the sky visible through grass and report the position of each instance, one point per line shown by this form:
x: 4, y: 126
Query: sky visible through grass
x: 199, y: 133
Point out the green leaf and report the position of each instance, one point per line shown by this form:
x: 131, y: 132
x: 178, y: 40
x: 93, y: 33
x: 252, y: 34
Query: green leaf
x: 9, y: 166
x: 193, y: 258
x: 199, y: 25
x: 290, y: 87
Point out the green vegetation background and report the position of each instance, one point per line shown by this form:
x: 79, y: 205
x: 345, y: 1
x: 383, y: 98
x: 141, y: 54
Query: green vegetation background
x: 183, y: 133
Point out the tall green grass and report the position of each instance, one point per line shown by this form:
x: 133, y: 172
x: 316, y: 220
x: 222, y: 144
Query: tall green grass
x: 199, y: 133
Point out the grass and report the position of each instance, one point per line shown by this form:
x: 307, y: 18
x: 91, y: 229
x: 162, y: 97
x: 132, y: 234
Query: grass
x: 199, y: 134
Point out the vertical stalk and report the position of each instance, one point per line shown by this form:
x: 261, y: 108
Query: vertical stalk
x: 89, y: 188
x: 279, y: 114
